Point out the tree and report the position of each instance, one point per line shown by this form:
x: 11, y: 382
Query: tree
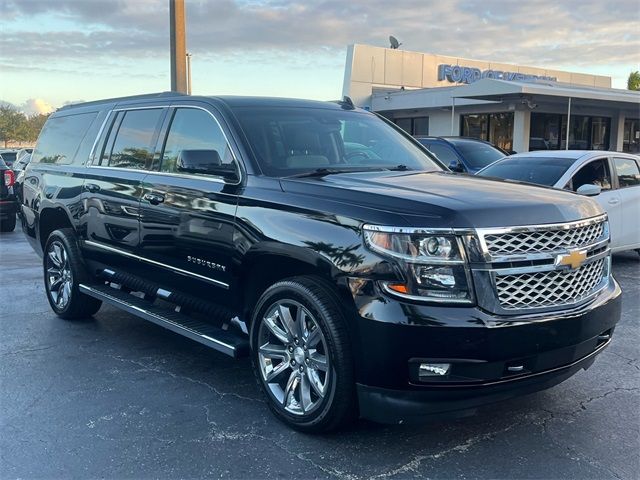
x: 633, y: 83
x: 13, y: 125
x: 34, y: 125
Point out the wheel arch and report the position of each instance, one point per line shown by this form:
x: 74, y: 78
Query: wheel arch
x: 266, y: 266
x: 50, y: 219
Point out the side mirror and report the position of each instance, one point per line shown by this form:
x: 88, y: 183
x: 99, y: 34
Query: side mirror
x: 456, y: 166
x: 589, y: 190
x: 206, y: 162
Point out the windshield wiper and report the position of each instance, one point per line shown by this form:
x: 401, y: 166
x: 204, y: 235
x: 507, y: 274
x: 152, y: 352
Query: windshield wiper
x: 321, y: 172
x: 399, y: 168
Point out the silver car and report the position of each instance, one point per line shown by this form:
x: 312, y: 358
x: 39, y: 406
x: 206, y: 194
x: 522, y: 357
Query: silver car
x: 611, y: 178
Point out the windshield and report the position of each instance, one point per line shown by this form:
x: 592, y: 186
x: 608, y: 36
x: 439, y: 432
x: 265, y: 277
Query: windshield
x: 292, y: 141
x: 477, y: 154
x: 9, y: 157
x: 540, y: 170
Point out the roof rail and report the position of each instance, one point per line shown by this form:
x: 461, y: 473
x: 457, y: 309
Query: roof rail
x: 117, y: 99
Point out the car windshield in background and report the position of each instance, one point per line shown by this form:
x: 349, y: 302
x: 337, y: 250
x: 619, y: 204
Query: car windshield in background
x: 477, y: 154
x: 293, y: 141
x: 540, y: 170
x: 9, y: 157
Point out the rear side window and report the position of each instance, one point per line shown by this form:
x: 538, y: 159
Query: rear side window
x: 61, y: 137
x: 132, y: 139
x: 627, y: 171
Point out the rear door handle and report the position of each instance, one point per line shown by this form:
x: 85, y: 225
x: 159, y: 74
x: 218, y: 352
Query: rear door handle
x: 91, y: 187
x: 154, y: 198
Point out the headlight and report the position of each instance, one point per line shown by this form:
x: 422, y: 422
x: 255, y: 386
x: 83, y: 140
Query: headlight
x: 434, y: 264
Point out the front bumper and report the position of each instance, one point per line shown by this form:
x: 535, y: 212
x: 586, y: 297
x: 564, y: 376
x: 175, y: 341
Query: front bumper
x: 393, y: 336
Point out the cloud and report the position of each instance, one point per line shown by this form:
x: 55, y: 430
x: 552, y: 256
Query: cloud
x: 34, y: 106
x: 535, y: 32
x: 127, y: 40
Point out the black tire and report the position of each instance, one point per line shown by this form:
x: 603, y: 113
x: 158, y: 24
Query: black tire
x: 72, y: 271
x: 319, y: 300
x: 8, y: 225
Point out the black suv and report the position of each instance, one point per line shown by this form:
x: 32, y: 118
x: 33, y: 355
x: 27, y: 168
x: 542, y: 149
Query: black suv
x: 366, y: 280
x: 8, y: 200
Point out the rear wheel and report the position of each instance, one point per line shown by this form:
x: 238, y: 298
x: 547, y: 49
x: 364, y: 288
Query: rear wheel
x: 64, y: 271
x: 301, y: 355
x: 8, y: 225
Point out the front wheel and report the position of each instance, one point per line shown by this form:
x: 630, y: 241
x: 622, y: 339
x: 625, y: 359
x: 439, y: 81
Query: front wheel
x: 64, y: 271
x: 301, y: 355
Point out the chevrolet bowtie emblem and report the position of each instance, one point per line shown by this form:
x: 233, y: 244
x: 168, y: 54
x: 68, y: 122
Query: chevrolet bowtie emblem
x: 573, y: 259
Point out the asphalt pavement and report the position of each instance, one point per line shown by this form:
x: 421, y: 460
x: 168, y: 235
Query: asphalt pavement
x: 118, y: 397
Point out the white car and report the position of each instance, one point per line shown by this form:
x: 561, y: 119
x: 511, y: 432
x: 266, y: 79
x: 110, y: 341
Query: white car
x: 611, y: 178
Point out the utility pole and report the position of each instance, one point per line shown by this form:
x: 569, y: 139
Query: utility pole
x: 188, y: 73
x: 178, y: 46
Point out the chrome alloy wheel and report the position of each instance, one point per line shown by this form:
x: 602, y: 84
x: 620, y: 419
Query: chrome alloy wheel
x: 293, y: 357
x: 59, y: 275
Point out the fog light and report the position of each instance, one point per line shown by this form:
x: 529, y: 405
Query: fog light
x: 433, y: 370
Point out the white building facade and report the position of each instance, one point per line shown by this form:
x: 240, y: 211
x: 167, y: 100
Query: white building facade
x: 518, y: 108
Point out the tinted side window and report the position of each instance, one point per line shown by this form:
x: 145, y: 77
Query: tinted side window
x: 627, y: 171
x: 194, y: 129
x: 444, y: 153
x: 595, y: 173
x: 134, y: 141
x: 60, y: 138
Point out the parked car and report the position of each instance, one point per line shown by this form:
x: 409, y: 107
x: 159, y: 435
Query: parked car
x: 18, y: 168
x: 462, y: 154
x: 21, y: 163
x: 616, y: 176
x: 8, y: 201
x: 24, y: 151
x: 388, y: 288
x: 9, y: 156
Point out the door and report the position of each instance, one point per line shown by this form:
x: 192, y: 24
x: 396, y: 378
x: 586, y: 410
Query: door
x: 187, y: 215
x: 598, y: 172
x: 627, y: 174
x: 110, y: 223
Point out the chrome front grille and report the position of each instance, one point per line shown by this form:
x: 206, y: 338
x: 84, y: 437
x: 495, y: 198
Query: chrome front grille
x: 537, y: 241
x: 538, y: 268
x: 550, y: 288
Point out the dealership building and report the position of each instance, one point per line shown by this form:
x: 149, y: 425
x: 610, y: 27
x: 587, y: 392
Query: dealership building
x: 515, y: 107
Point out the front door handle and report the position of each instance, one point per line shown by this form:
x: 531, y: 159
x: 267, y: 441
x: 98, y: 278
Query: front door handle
x: 91, y: 187
x: 154, y: 198
x: 614, y: 201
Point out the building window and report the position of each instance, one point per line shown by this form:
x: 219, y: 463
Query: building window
x: 496, y: 128
x: 631, y: 136
x: 549, y: 130
x: 414, y: 125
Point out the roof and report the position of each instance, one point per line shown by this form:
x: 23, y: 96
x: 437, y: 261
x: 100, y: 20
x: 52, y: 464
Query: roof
x: 231, y: 101
x: 490, y: 89
x: 487, y: 91
x: 574, y: 154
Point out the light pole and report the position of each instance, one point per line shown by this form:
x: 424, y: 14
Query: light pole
x: 178, y: 46
x: 188, y: 74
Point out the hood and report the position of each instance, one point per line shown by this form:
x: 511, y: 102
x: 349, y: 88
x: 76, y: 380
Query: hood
x: 439, y: 199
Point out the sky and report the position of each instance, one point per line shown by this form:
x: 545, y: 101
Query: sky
x: 53, y: 52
